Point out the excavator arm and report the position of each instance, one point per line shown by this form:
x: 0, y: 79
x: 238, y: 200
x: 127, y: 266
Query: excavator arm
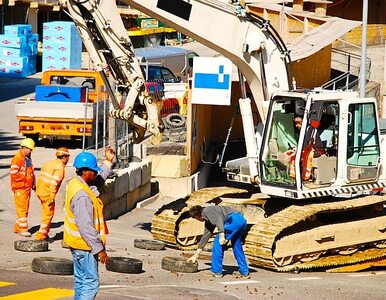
x: 248, y: 41
x: 112, y: 53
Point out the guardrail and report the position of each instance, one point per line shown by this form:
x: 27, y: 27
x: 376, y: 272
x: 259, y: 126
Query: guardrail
x: 348, y: 66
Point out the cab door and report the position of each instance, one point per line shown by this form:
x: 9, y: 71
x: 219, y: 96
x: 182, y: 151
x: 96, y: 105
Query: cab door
x: 363, y: 149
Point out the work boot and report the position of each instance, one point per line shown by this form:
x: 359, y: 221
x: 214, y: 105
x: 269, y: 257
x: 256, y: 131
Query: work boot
x: 212, y: 274
x: 44, y: 238
x: 40, y: 237
x: 239, y: 275
x: 25, y: 234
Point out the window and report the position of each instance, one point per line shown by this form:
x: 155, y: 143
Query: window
x: 362, y: 141
x: 281, y: 140
x: 167, y: 76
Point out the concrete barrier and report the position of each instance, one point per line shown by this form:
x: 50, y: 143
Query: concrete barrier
x: 121, y: 193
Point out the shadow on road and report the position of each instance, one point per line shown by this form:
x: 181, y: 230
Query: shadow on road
x: 8, y: 142
x: 11, y: 88
x: 144, y: 225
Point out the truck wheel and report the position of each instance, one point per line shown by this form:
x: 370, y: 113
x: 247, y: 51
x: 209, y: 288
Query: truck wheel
x: 175, y: 120
x: 178, y: 264
x: 52, y: 266
x: 34, y: 136
x: 149, y: 244
x: 31, y: 246
x: 124, y: 265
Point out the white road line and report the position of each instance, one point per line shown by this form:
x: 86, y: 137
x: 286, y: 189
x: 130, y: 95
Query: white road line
x: 111, y: 286
x: 239, y: 282
x: 303, y: 278
x: 367, y: 274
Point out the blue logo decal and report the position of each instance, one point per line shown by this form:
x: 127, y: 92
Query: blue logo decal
x: 212, y: 81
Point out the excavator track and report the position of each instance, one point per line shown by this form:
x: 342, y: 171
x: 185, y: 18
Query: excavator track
x: 273, y: 243
x: 291, y: 239
x: 173, y: 225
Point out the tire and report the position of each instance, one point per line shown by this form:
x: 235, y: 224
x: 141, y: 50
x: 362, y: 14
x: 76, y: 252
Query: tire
x: 149, y: 244
x: 178, y: 138
x: 124, y: 265
x: 31, y: 246
x: 178, y: 264
x: 52, y: 266
x: 175, y: 120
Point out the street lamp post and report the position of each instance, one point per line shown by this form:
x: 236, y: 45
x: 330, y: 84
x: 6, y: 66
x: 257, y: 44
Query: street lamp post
x: 362, y: 75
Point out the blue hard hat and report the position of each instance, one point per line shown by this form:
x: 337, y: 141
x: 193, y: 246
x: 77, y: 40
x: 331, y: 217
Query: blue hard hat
x: 86, y: 160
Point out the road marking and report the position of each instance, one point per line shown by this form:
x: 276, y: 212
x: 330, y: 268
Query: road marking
x: 4, y: 283
x: 111, y: 286
x: 367, y: 274
x: 239, y: 282
x: 46, y: 294
x: 303, y: 278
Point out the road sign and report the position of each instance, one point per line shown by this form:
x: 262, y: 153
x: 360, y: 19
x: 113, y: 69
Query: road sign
x: 211, y: 80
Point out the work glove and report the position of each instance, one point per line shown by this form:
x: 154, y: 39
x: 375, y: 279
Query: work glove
x: 194, y: 257
x: 222, y: 239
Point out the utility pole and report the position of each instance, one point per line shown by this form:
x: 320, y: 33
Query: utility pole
x: 362, y: 75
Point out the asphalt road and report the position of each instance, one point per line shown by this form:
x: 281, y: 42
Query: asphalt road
x: 16, y: 277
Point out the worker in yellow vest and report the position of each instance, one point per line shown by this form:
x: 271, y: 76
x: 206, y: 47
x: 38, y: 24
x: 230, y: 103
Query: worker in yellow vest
x: 84, y: 225
x: 48, y: 184
x: 22, y: 182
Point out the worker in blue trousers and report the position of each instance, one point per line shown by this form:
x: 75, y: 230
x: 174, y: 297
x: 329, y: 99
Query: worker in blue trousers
x: 231, y: 225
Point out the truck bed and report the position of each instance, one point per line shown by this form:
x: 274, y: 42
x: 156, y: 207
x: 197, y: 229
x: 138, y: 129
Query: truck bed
x: 34, y: 109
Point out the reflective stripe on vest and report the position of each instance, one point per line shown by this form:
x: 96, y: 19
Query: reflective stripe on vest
x: 22, y: 176
x: 49, y: 180
x: 72, y: 236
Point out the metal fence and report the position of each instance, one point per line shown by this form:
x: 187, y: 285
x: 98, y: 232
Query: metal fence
x: 345, y: 68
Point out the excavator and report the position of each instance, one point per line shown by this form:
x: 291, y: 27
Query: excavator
x: 314, y: 189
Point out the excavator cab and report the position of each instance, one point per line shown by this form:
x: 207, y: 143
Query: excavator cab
x: 319, y: 142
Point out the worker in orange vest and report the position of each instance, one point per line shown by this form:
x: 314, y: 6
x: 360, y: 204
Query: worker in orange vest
x: 22, y: 182
x: 48, y: 184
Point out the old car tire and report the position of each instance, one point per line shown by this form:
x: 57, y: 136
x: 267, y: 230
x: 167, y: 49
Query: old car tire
x: 175, y: 120
x: 178, y: 264
x: 52, y: 265
x: 31, y: 246
x: 149, y: 244
x: 124, y: 265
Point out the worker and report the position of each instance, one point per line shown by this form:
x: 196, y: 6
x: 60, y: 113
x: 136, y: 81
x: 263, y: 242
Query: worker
x: 231, y: 225
x: 22, y: 182
x: 48, y: 184
x: 312, y: 148
x: 84, y: 226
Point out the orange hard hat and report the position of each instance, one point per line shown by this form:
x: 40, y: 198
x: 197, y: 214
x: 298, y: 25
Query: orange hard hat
x: 62, y: 151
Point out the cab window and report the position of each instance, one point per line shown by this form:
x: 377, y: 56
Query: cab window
x: 362, y: 140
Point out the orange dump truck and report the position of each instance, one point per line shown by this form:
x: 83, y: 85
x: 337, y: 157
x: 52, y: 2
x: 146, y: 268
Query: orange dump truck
x: 68, y: 104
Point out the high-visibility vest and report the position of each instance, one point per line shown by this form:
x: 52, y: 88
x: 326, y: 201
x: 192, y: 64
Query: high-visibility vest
x: 21, y: 172
x: 308, y: 154
x: 49, y: 180
x: 291, y: 170
x: 307, y: 158
x: 72, y: 235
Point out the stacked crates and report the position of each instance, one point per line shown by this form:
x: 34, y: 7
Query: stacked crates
x: 18, y: 50
x: 62, y: 46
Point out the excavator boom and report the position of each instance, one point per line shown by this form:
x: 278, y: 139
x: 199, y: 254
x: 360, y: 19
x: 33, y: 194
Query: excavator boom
x: 249, y: 42
x: 112, y: 53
